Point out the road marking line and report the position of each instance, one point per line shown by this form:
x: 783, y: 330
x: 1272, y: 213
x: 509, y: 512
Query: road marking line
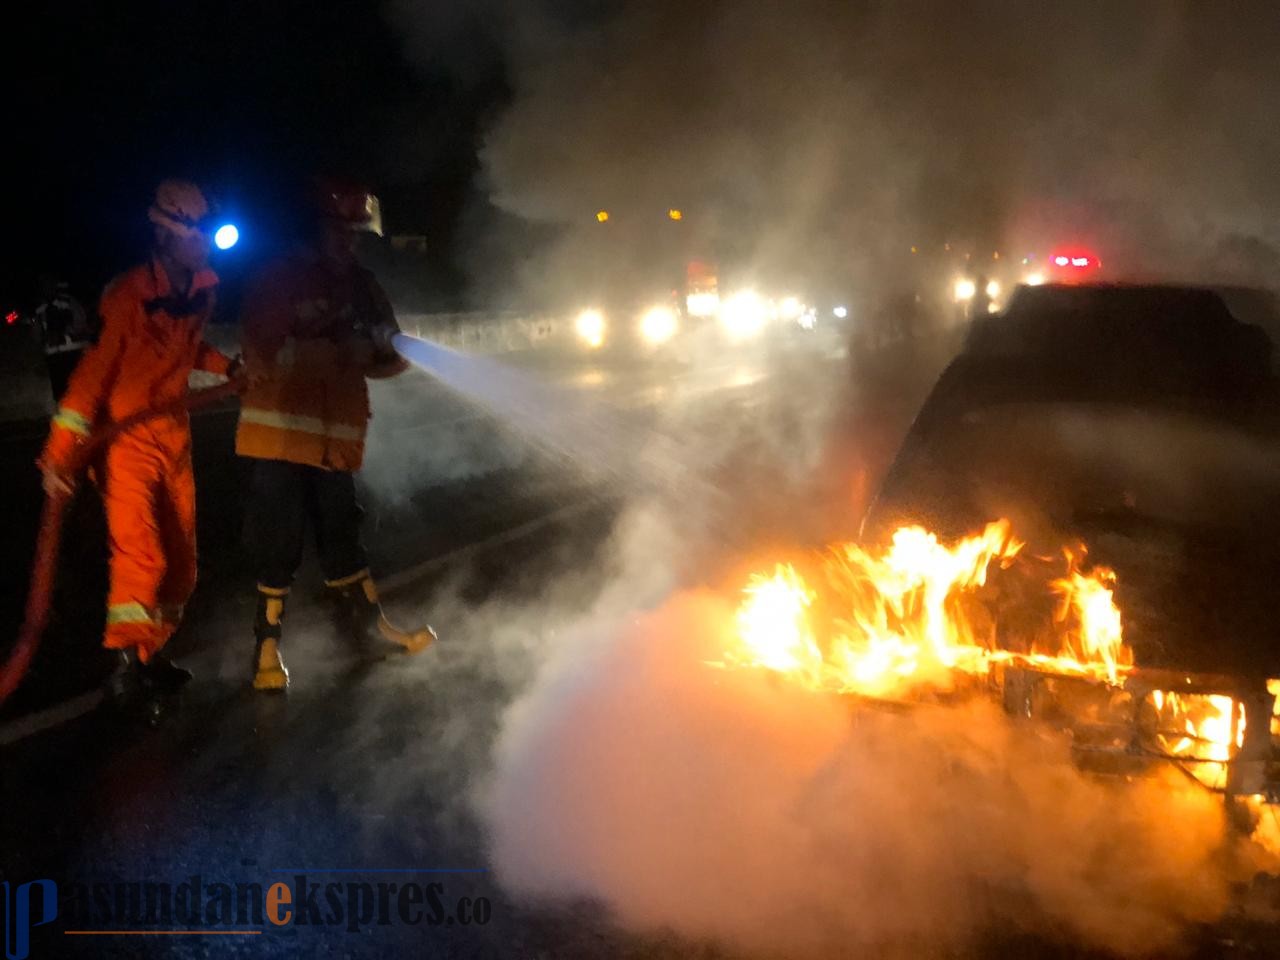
x: 56, y: 715
x: 397, y: 581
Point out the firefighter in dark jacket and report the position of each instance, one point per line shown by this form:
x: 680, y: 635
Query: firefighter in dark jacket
x: 315, y: 327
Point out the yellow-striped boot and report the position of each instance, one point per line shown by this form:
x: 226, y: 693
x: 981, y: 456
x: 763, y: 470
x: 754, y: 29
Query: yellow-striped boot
x: 269, y: 672
x: 361, y: 617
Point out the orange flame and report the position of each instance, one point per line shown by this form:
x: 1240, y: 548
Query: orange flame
x: 1097, y: 637
x: 1203, y: 730
x: 773, y: 624
x: 898, y: 619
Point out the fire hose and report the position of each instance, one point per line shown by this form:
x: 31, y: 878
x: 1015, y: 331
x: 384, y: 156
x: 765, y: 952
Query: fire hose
x: 49, y: 539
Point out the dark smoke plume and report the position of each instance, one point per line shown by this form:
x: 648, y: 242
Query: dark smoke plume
x: 818, y: 138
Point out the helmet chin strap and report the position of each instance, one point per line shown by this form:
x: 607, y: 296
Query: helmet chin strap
x: 179, y: 275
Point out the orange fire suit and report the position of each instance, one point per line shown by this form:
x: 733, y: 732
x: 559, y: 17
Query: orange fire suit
x: 151, y: 341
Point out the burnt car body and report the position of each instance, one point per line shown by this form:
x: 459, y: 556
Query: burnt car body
x: 1144, y: 422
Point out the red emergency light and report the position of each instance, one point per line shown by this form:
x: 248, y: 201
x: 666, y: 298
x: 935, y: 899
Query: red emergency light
x: 1075, y: 260
x: 11, y: 317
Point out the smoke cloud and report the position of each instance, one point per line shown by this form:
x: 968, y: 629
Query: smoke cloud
x: 738, y: 808
x: 820, y: 140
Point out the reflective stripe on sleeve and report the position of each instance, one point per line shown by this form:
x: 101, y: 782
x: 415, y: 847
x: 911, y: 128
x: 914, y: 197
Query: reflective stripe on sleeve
x: 71, y: 420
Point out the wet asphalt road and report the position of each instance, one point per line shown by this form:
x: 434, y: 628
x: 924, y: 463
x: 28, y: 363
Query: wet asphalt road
x: 362, y: 773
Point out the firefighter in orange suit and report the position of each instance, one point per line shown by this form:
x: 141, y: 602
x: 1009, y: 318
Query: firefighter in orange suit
x: 315, y: 326
x: 153, y: 320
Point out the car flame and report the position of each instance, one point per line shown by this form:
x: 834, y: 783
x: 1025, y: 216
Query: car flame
x: 889, y: 622
x: 919, y: 618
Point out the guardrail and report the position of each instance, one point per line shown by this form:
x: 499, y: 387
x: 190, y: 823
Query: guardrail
x: 483, y: 332
x: 27, y: 393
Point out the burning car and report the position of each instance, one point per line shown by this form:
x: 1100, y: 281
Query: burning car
x: 1084, y: 523
x: 1140, y: 421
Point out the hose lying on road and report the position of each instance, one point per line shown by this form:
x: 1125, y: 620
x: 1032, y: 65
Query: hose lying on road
x: 49, y: 539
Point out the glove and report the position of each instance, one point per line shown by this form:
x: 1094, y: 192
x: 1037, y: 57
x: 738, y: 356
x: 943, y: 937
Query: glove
x: 56, y: 481
x: 360, y: 351
x: 384, y: 340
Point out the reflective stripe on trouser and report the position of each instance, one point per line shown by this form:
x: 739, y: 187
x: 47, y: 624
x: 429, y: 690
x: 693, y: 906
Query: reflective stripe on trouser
x: 122, y: 613
x: 268, y: 621
x: 132, y: 626
x: 350, y: 579
x: 362, y: 579
x: 148, y: 491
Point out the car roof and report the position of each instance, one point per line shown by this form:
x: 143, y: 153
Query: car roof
x: 1131, y: 343
x: 1103, y: 317
x: 1142, y: 304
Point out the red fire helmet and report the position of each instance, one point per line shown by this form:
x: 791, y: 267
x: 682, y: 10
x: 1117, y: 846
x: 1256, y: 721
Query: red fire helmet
x: 348, y: 202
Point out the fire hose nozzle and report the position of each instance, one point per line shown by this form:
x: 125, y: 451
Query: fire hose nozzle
x: 384, y: 338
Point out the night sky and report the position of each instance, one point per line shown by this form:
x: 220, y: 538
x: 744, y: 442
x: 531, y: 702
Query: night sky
x: 249, y: 98
x: 809, y: 144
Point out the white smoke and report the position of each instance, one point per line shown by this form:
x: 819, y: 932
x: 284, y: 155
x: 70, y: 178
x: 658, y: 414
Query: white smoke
x: 820, y: 140
x: 737, y: 807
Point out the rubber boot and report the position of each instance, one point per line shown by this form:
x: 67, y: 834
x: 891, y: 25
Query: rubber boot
x: 145, y: 692
x: 163, y: 676
x: 125, y: 684
x: 269, y: 672
x: 361, y: 617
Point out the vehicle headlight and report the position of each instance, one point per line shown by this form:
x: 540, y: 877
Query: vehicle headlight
x: 993, y: 288
x: 840, y: 312
x: 965, y: 289
x: 1033, y: 279
x: 590, y: 327
x: 658, y: 325
x: 790, y: 308
x: 743, y: 314
x: 704, y: 304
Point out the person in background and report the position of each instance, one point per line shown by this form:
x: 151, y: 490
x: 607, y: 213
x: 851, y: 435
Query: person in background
x: 315, y: 327
x: 64, y: 331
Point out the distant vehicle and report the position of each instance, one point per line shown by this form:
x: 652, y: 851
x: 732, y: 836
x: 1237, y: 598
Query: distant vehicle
x: 985, y: 286
x: 1071, y: 266
x: 651, y: 287
x: 1144, y: 422
x: 631, y: 324
x: 702, y: 289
